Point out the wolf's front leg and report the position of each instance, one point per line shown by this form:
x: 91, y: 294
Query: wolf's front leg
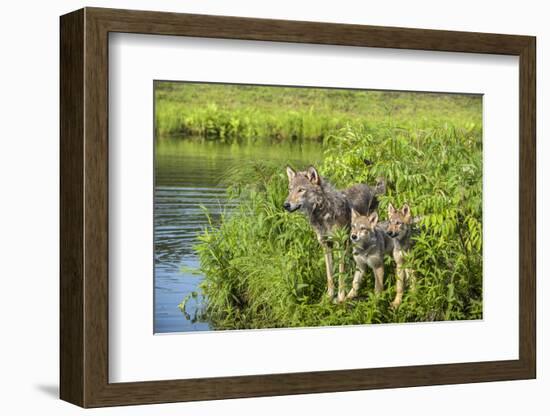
x: 378, y: 278
x: 341, y: 282
x: 329, y: 266
x: 342, y: 276
x: 357, y: 279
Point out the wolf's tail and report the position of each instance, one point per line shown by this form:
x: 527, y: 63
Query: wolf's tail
x: 380, y: 187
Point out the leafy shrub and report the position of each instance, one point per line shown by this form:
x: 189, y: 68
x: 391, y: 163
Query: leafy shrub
x: 263, y: 267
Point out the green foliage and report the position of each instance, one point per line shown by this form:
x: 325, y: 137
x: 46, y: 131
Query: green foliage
x: 438, y: 172
x: 264, y: 267
x: 247, y: 114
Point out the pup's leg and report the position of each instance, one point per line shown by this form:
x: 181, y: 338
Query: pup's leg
x: 330, y: 278
x: 399, y: 286
x: 357, y: 279
x: 378, y: 278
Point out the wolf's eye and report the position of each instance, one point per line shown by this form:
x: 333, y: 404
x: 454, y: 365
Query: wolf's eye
x: 301, y: 190
x: 363, y: 228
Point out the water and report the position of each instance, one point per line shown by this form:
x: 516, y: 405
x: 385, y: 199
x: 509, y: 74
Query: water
x: 188, y: 175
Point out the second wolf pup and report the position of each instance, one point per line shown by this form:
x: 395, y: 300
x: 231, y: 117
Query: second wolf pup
x: 399, y: 228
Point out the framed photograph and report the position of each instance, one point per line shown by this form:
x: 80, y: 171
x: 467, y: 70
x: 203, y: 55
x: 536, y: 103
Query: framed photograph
x: 255, y: 207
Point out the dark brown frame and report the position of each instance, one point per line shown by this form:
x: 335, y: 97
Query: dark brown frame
x: 84, y: 207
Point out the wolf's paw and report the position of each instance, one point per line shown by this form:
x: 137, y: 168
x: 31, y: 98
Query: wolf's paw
x: 351, y: 295
x: 395, y: 304
x: 341, y: 298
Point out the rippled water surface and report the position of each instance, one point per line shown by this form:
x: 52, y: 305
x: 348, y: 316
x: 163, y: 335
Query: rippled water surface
x: 188, y: 175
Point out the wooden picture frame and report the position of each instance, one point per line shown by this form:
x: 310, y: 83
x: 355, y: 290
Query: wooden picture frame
x: 84, y: 207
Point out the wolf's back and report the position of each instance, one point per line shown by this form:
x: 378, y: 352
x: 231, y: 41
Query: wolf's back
x: 362, y: 198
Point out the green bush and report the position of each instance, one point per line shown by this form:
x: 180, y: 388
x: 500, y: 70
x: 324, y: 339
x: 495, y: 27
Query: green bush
x: 263, y: 267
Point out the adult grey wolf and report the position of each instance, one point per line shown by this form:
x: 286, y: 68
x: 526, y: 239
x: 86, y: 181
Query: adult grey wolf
x: 372, y: 240
x: 328, y: 209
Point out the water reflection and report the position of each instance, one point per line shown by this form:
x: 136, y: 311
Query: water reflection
x: 188, y: 176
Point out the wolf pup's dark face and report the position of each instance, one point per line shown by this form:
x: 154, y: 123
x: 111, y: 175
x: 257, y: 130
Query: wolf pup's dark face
x: 362, y: 226
x: 303, y: 188
x: 399, y: 221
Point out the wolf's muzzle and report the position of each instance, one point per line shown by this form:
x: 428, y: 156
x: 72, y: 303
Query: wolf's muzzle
x: 289, y: 207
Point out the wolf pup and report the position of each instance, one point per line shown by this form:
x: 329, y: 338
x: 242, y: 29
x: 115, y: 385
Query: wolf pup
x: 370, y: 243
x: 399, y: 228
x: 328, y: 209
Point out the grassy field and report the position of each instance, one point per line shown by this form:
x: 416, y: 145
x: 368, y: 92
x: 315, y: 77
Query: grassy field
x: 246, y: 114
x: 264, y: 268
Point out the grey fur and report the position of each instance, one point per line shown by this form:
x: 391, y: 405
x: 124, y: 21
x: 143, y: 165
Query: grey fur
x: 400, y: 228
x: 328, y: 209
x: 370, y: 244
x: 372, y: 240
x: 325, y: 206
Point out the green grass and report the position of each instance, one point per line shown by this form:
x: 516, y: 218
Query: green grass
x: 249, y: 114
x: 264, y: 268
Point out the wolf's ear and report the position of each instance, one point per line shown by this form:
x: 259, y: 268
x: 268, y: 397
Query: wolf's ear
x: 291, y: 173
x: 373, y: 218
x: 354, y: 214
x: 406, y: 211
x: 313, y: 175
x: 391, y: 209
